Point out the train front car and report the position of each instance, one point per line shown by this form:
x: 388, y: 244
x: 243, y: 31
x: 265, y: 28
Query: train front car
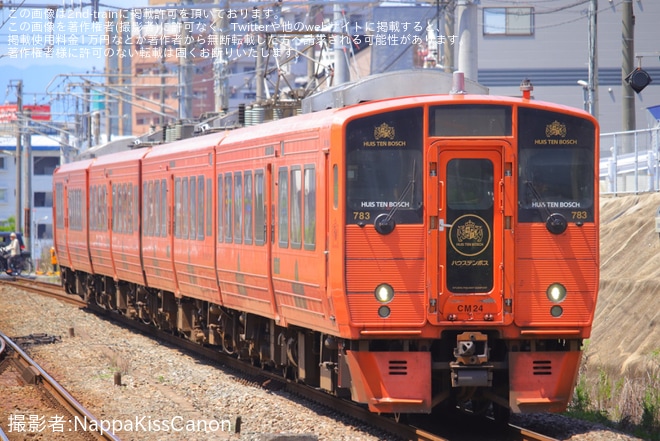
x: 468, y: 254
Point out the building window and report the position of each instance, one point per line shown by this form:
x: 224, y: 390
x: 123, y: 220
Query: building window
x: 3, y: 195
x: 3, y: 165
x: 46, y: 165
x: 43, y: 199
x: 508, y: 21
x: 44, y: 231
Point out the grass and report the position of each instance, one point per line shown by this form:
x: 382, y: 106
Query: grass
x: 629, y: 403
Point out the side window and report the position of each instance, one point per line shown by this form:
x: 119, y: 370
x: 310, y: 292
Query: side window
x: 209, y: 208
x: 193, y: 208
x: 221, y: 207
x: 178, y: 221
x: 227, y: 204
x: 115, y: 201
x: 238, y: 207
x: 185, y: 204
x: 201, y: 201
x: 93, y: 220
x: 247, y: 206
x: 295, y: 212
x: 283, y: 207
x: 105, y: 210
x: 335, y: 186
x: 259, y: 208
x: 134, y: 207
x: 163, y: 208
x: 309, y: 205
x: 59, y: 201
x: 154, y: 200
x: 145, y: 209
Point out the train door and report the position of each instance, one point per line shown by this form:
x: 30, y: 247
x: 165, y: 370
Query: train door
x: 469, y: 239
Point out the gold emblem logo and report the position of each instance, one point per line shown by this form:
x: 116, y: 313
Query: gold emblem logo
x: 384, y: 131
x: 470, y: 235
x: 555, y: 129
x: 470, y: 231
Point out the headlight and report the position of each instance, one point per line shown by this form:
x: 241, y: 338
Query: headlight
x: 556, y: 292
x: 384, y: 293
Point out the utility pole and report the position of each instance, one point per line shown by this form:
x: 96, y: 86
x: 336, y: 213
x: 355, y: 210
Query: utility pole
x: 627, y: 66
x: 27, y: 178
x: 466, y: 11
x: 341, y: 66
x: 186, y: 69
x: 593, y: 58
x: 260, y: 66
x: 448, y: 61
x: 19, y: 148
x: 220, y: 63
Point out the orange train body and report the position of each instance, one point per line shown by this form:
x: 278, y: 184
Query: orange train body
x: 409, y: 252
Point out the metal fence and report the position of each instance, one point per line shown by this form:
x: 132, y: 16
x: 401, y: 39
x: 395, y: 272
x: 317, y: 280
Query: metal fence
x: 629, y: 161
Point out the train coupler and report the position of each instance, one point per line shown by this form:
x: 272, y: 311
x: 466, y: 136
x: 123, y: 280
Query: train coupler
x: 463, y: 376
x: 470, y: 369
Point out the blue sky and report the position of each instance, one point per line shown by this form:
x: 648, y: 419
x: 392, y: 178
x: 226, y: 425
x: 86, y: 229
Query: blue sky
x: 20, y: 31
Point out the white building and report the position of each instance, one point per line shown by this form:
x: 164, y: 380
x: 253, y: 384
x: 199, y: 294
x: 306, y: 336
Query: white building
x: 45, y: 159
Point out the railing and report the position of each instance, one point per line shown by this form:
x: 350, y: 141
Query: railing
x: 629, y: 161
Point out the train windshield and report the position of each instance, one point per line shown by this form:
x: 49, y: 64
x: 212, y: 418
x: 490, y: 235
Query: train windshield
x: 556, y: 166
x: 384, y: 167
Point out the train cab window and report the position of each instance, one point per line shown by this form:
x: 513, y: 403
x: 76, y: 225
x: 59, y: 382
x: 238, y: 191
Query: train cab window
x: 283, y: 207
x: 259, y: 208
x: 238, y: 207
x: 227, y: 205
x: 309, y: 205
x: 470, y: 120
x: 384, y: 167
x: 555, y: 167
x: 295, y: 208
x: 469, y: 184
x: 247, y: 206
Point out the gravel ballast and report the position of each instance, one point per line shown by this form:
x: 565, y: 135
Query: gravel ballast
x: 169, y: 395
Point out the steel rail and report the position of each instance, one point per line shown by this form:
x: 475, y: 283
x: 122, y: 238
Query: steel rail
x: 60, y: 393
x: 345, y: 407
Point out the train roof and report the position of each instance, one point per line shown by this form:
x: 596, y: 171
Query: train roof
x: 126, y: 156
x: 326, y: 118
x: 187, y: 144
x: 387, y: 85
x: 75, y: 166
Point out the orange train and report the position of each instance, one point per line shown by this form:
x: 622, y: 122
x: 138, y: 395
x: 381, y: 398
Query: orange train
x: 409, y: 253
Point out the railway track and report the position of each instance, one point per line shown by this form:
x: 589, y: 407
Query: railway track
x: 32, y: 373
x: 272, y: 380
